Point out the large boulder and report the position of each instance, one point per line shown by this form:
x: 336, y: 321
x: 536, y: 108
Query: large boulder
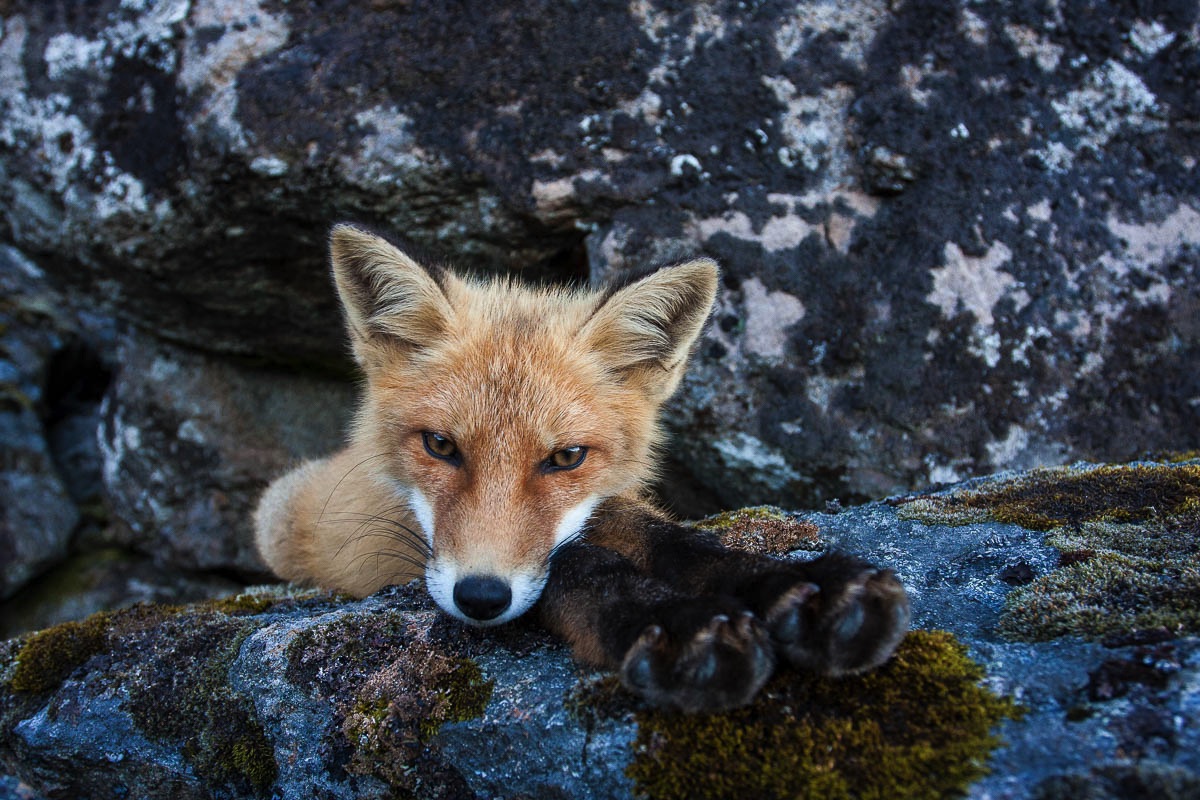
x: 1055, y: 656
x: 956, y: 237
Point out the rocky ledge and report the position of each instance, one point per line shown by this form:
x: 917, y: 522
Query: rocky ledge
x: 1055, y: 655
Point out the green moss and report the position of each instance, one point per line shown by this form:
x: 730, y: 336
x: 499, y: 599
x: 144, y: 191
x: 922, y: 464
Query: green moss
x: 48, y: 657
x: 258, y: 599
x: 401, y: 709
x: 918, y: 727
x: 1107, y: 593
x: 1133, y: 569
x: 176, y: 660
x: 464, y: 695
x: 243, y: 603
x: 728, y: 518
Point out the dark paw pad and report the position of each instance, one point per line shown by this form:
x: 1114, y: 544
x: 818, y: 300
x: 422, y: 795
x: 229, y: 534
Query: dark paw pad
x: 845, y: 626
x: 720, y: 665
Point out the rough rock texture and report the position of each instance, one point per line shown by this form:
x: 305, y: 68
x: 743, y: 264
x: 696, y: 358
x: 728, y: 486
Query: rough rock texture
x: 190, y: 441
x: 116, y: 439
x: 46, y: 472
x: 283, y: 694
x: 957, y: 237
x: 123, y: 440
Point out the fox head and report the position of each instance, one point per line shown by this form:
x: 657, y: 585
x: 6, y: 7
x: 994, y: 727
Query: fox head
x: 502, y: 415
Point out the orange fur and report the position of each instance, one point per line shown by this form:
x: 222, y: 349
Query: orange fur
x: 510, y: 375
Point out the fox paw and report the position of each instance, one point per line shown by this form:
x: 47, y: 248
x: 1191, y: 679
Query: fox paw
x: 851, y: 623
x: 720, y: 664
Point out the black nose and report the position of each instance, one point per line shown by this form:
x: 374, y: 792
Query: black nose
x: 482, y: 597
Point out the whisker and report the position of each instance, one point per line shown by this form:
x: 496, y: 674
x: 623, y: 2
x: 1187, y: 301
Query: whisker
x: 554, y: 551
x: 386, y: 528
x: 342, y: 480
x: 390, y: 527
x: 396, y: 555
x: 400, y: 527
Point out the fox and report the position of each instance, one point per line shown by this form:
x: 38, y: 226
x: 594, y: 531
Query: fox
x: 502, y: 451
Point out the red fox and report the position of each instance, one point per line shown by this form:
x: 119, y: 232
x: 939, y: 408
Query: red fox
x: 502, y: 449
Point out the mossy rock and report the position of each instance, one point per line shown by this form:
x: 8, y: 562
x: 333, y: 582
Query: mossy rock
x: 48, y: 657
x: 43, y: 660
x: 1128, y: 538
x: 918, y: 727
x: 1108, y: 592
x: 1044, y: 499
x: 763, y: 529
x: 399, y: 687
x: 174, y: 663
x: 182, y: 696
x: 402, y: 708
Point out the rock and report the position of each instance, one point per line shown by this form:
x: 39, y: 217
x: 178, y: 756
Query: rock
x: 189, y: 442
x: 38, y: 515
x: 956, y: 238
x: 277, y: 691
x: 13, y: 789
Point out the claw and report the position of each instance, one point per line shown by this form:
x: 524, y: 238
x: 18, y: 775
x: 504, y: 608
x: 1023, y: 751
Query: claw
x: 853, y: 625
x: 850, y: 624
x: 786, y: 617
x: 638, y: 671
x: 638, y: 668
x: 720, y: 665
x: 705, y: 669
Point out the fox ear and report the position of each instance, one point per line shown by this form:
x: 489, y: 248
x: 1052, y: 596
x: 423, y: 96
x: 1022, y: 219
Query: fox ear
x: 646, y: 330
x: 390, y: 300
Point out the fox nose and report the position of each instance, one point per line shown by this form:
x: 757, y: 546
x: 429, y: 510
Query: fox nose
x: 482, y: 597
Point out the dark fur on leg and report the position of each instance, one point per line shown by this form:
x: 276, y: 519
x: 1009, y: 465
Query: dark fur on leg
x: 689, y: 653
x: 836, y: 614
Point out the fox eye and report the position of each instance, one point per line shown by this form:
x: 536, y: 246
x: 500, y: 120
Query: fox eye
x: 567, y: 458
x: 441, y: 447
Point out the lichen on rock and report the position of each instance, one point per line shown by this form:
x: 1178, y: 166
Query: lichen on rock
x: 183, y: 696
x: 171, y: 663
x: 1127, y: 539
x: 1051, y: 498
x: 396, y: 685
x: 763, y: 529
x: 400, y: 708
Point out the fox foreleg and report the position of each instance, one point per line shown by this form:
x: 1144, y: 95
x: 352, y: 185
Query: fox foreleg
x: 698, y: 626
x: 836, y: 614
